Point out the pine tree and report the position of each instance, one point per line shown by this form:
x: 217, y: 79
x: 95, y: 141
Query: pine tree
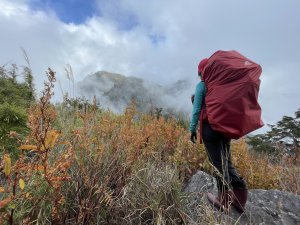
x: 284, y: 131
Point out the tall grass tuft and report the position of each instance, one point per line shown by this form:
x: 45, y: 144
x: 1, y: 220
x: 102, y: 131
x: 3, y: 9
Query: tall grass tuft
x: 153, y: 195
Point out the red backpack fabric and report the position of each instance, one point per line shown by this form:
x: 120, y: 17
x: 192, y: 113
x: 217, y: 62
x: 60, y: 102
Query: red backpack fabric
x: 232, y: 83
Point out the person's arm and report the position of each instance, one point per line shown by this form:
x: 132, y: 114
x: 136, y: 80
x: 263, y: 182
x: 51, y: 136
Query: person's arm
x: 198, y: 101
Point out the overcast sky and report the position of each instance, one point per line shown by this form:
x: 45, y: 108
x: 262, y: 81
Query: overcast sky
x: 159, y: 40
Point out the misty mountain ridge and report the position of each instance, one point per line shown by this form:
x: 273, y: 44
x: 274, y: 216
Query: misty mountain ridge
x: 115, y: 91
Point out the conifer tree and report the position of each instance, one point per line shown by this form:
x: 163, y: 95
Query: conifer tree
x: 285, y: 131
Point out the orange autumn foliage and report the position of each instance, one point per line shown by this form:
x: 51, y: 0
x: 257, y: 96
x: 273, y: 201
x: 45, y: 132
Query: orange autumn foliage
x: 97, y: 140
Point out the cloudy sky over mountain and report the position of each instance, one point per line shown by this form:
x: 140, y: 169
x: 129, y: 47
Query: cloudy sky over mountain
x: 159, y: 40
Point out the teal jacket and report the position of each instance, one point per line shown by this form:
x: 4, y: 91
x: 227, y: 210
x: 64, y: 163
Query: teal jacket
x: 198, y: 102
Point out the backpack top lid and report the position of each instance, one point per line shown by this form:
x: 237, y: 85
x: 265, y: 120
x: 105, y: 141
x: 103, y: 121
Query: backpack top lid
x: 228, y: 66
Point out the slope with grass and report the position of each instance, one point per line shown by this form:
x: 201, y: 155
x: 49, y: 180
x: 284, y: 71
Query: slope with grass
x: 91, y: 166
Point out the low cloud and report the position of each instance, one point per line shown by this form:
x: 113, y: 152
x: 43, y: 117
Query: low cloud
x: 161, y: 41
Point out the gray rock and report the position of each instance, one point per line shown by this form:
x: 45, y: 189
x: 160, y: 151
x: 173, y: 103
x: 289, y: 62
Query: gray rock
x: 263, y: 206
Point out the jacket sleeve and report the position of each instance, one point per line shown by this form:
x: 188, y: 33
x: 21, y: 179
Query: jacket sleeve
x: 198, y: 101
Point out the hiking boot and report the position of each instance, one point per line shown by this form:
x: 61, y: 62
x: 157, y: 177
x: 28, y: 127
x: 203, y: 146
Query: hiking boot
x: 239, y: 199
x: 222, y: 201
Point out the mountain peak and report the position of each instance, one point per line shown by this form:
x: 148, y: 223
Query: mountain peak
x: 116, y: 91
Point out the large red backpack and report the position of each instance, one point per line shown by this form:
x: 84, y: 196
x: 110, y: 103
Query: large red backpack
x: 232, y: 83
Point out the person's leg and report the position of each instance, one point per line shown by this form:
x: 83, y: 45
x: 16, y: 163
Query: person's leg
x: 217, y: 154
x: 234, y: 179
x: 218, y: 150
x: 239, y: 188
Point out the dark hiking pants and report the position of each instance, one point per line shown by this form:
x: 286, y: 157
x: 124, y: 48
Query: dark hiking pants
x: 218, y: 150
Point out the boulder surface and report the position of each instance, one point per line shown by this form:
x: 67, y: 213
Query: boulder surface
x: 263, y: 206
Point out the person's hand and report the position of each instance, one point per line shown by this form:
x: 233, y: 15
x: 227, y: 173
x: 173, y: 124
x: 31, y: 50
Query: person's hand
x: 193, y: 137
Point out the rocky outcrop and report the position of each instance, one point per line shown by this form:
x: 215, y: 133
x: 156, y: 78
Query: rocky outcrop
x: 263, y: 206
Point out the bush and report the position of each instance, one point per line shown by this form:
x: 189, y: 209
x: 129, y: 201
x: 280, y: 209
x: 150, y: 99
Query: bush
x: 15, y: 99
x: 13, y: 125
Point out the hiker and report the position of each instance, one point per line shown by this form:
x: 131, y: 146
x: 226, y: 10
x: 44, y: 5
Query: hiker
x: 231, y: 187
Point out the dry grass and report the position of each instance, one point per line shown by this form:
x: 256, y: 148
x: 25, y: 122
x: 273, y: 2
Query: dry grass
x: 89, y: 166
